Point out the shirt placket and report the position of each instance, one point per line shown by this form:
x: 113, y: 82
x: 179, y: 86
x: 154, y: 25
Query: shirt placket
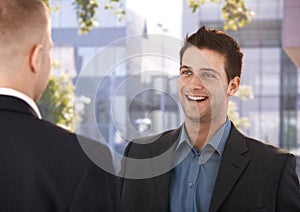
x: 191, y: 186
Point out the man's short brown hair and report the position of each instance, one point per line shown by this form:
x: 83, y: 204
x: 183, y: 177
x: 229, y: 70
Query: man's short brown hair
x: 220, y: 42
x: 21, y: 22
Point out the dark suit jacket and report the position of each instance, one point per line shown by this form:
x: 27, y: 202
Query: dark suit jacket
x: 43, y: 167
x: 252, y: 176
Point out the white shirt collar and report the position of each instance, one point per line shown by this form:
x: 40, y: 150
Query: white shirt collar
x: 24, y: 97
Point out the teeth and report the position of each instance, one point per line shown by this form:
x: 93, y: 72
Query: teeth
x: 196, y: 98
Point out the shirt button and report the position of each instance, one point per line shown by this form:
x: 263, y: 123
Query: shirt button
x: 191, y: 185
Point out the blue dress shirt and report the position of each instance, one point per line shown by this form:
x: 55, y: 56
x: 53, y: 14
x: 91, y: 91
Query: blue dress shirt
x: 193, y: 179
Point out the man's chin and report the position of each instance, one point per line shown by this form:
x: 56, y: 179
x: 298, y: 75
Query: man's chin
x: 194, y: 118
x: 199, y: 118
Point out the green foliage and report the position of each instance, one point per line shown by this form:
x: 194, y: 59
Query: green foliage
x: 235, y: 13
x: 86, y: 12
x: 56, y: 102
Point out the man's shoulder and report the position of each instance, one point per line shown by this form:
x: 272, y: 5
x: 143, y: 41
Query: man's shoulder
x: 263, y: 147
x: 154, y: 139
x: 54, y: 129
x: 258, y: 148
x: 76, y: 148
x: 64, y: 135
x: 146, y: 144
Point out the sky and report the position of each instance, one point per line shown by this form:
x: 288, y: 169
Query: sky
x: 163, y: 16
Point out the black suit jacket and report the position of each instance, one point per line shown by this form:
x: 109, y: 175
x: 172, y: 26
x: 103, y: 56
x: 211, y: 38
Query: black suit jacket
x: 252, y: 176
x: 43, y: 167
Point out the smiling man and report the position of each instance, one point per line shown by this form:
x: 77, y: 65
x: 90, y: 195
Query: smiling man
x: 210, y: 165
x: 204, y: 91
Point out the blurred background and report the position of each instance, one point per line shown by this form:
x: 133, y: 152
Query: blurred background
x: 268, y: 31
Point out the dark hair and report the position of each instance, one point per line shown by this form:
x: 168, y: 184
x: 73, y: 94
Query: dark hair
x: 220, y: 42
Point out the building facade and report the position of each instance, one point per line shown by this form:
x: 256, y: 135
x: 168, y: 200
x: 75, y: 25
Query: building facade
x: 130, y: 96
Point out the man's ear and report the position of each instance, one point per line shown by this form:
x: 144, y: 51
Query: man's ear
x: 234, y: 85
x: 34, y: 59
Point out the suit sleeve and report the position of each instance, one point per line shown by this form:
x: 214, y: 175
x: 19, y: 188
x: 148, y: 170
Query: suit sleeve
x: 96, y: 191
x: 289, y: 191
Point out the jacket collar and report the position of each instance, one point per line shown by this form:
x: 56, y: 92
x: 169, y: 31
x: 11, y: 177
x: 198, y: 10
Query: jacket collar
x: 167, y: 143
x: 233, y: 163
x: 14, y: 104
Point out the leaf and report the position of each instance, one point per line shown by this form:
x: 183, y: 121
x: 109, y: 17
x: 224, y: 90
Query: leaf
x: 86, y: 11
x: 108, y: 6
x: 234, y: 12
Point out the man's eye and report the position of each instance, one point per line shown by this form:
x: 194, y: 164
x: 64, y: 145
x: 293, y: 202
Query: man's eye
x: 186, y: 72
x: 208, y: 75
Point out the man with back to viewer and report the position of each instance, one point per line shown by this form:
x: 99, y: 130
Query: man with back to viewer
x: 43, y: 167
x: 208, y: 164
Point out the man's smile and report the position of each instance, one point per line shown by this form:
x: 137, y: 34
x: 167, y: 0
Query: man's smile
x: 196, y: 98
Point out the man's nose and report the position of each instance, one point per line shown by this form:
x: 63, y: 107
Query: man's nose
x: 196, y: 82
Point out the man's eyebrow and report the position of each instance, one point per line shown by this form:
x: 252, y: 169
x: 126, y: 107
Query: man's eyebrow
x: 210, y: 69
x: 184, y: 66
x: 201, y: 69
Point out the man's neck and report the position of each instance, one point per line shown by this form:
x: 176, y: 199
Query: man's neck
x: 201, y: 132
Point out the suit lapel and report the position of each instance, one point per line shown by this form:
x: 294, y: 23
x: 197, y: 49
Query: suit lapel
x: 232, y: 166
x: 167, y: 143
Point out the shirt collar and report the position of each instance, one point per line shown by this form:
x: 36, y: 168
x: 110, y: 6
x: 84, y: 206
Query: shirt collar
x: 217, y: 142
x: 24, y: 97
